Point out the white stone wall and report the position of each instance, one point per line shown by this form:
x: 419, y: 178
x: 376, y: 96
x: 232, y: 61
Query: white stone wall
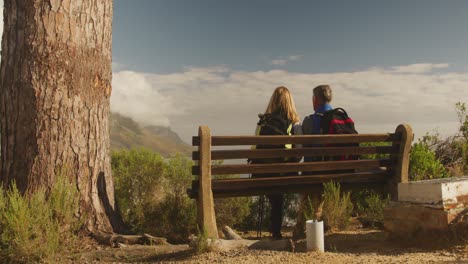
x: 439, y: 192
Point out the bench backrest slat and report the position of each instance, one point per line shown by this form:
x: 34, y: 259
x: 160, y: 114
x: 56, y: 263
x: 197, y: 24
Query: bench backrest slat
x: 295, y: 167
x: 295, y: 152
x: 302, y: 139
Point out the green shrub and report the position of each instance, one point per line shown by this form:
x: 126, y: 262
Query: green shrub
x: 137, y: 180
x: 173, y: 218
x: 309, y: 212
x: 370, y: 208
x: 177, y: 211
x: 451, y: 152
x: 34, y: 228
x: 337, y: 206
x: 151, y: 192
x: 423, y: 164
x: 201, y: 244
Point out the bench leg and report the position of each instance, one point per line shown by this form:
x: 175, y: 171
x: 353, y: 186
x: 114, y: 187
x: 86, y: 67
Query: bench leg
x: 205, y: 206
x: 205, y: 211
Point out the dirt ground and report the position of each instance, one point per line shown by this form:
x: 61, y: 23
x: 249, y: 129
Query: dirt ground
x: 354, y: 246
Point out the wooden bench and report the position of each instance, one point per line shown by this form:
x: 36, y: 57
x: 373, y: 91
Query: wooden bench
x: 382, y: 174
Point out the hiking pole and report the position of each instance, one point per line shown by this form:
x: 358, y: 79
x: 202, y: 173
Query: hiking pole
x: 261, y: 208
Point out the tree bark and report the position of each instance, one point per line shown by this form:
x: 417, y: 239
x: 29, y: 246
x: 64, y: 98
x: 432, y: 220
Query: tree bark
x: 55, y: 84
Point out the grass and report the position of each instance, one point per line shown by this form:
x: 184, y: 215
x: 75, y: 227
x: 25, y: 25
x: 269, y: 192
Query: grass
x: 337, y: 206
x: 201, y: 245
x: 36, y: 227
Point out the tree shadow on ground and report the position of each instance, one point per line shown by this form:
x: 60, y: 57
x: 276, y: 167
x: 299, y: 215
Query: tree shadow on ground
x: 137, y: 253
x: 377, y: 242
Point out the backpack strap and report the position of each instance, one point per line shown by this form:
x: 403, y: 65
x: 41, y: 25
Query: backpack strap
x: 340, y: 109
x: 289, y: 146
x: 289, y: 131
x: 317, y: 123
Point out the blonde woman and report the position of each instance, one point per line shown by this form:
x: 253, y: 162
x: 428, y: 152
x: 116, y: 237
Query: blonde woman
x: 280, y: 118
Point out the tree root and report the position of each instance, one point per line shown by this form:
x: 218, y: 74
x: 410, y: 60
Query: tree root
x: 233, y: 241
x: 116, y: 240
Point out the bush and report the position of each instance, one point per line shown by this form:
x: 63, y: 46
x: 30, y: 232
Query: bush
x: 175, y: 217
x: 424, y: 165
x: 451, y: 152
x: 34, y: 228
x: 337, y: 207
x: 137, y: 180
x: 201, y: 244
x: 151, y: 192
x: 370, y: 208
x: 309, y: 212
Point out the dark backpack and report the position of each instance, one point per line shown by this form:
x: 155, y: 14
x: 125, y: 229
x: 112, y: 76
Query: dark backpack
x: 272, y: 125
x: 337, y: 121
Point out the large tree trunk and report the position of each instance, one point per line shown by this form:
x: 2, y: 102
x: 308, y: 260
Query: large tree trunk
x: 54, y: 103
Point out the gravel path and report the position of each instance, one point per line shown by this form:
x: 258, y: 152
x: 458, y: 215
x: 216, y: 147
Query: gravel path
x: 260, y: 257
x: 358, y: 246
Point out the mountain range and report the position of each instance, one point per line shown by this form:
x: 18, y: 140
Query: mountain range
x: 127, y: 134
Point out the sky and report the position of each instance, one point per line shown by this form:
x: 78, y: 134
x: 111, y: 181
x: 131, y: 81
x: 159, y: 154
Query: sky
x: 216, y: 63
x: 184, y: 63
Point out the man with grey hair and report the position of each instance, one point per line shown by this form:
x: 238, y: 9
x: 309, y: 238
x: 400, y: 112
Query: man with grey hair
x: 322, y: 96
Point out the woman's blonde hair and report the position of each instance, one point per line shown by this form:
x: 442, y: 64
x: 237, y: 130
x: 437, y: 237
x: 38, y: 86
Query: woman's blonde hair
x: 281, y: 102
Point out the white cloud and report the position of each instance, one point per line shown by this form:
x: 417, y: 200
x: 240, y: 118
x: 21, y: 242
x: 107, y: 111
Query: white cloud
x: 283, y: 61
x: 228, y: 101
x: 134, y: 96
x: 419, y: 68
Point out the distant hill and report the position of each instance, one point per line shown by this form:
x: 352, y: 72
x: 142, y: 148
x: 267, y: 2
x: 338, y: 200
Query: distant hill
x: 126, y: 134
